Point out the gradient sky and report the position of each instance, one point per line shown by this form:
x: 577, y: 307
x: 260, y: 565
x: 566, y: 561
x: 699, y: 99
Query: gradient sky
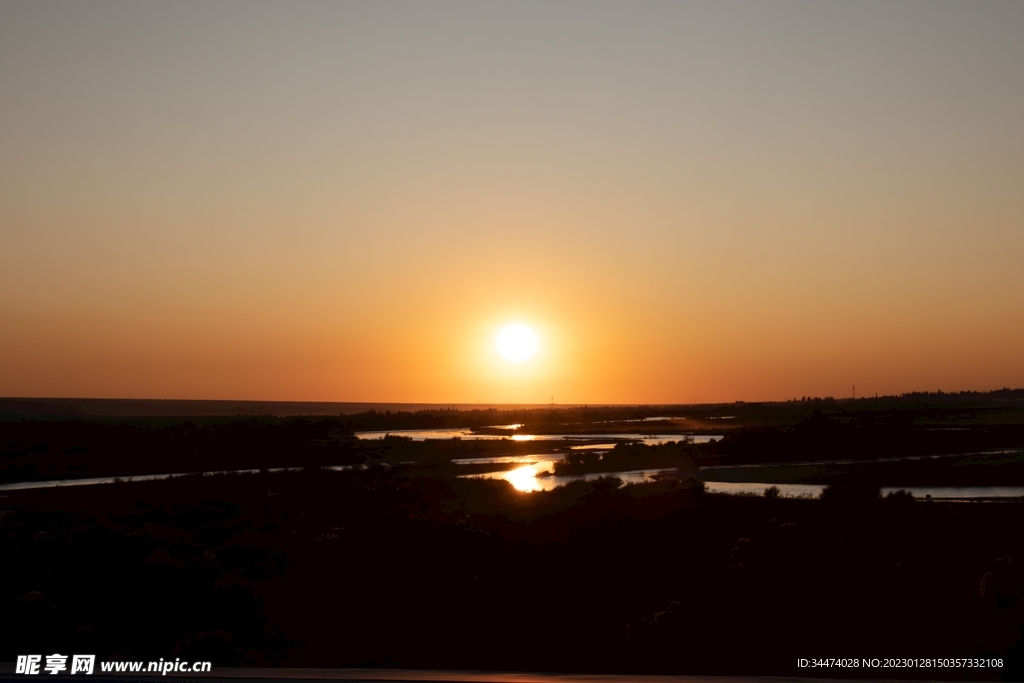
x: 345, y: 201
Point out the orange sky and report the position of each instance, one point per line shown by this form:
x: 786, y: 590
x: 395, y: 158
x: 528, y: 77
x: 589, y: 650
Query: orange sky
x: 688, y: 202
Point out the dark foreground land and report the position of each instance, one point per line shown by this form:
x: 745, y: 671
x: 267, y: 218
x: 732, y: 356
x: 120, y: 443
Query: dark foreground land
x: 985, y: 430
x: 397, y: 569
x: 396, y: 562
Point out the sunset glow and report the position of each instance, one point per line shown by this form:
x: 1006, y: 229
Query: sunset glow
x: 683, y: 202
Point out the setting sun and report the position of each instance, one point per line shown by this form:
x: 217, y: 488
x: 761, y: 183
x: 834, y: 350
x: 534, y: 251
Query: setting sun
x: 517, y: 343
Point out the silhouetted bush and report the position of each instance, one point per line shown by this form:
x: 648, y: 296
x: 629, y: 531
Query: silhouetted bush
x: 630, y: 456
x: 899, y: 496
x: 851, y: 491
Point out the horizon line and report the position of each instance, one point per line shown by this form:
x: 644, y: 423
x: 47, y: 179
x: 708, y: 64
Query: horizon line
x: 53, y: 406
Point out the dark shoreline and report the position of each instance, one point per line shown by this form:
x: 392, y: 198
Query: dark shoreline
x: 410, y: 570
x: 397, y: 562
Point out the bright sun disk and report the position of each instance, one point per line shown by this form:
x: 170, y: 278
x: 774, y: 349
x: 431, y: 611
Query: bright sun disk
x: 517, y: 343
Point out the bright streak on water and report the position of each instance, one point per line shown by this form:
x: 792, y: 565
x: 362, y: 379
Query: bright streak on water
x: 526, y: 478
x: 470, y: 435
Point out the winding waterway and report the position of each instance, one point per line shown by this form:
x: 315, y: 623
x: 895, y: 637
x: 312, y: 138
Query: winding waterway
x: 535, y: 476
x: 469, y: 435
x: 532, y: 477
x: 535, y: 470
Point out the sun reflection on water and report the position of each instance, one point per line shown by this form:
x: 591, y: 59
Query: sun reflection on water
x: 524, y: 478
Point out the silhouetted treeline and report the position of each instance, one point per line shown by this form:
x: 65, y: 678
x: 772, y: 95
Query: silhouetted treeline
x: 867, y: 435
x: 54, y: 449
x: 444, y: 418
x: 387, y: 567
x: 630, y: 456
x: 954, y: 396
x: 1000, y: 406
x: 1000, y: 468
x: 369, y: 416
